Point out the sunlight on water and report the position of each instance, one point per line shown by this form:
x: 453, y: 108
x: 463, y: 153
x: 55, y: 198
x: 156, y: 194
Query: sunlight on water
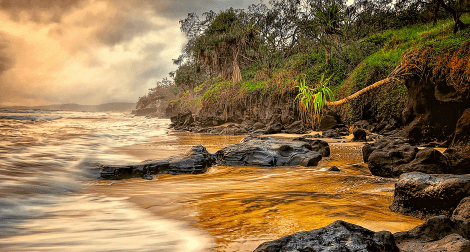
x: 51, y: 199
x: 45, y: 159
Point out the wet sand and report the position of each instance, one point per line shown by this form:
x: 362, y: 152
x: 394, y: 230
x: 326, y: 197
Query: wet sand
x: 241, y: 207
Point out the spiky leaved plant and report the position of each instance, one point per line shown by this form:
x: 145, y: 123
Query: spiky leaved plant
x: 313, y: 97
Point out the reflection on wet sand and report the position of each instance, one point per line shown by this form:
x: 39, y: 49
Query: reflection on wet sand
x: 242, y: 207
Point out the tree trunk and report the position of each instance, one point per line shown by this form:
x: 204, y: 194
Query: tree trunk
x: 236, y: 75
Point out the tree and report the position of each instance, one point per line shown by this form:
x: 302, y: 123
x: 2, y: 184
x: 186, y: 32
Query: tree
x: 229, y: 41
x: 453, y: 7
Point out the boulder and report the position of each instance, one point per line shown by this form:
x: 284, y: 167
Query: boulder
x: 328, y: 122
x: 334, y: 168
x: 393, y: 157
x: 438, y: 234
x: 337, y: 133
x: 317, y: 144
x: 360, y: 135
x: 296, y: 127
x: 386, y: 154
x: 338, y: 236
x: 462, y: 212
x: 426, y: 195
x: 267, y: 151
x: 195, y: 160
x: 258, y: 125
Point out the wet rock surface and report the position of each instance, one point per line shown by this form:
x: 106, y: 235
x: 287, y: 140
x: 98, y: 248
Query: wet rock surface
x: 426, y: 195
x: 393, y: 157
x: 438, y: 234
x: 360, y: 135
x: 385, y: 155
x: 266, y: 151
x: 338, y: 236
x: 195, y: 160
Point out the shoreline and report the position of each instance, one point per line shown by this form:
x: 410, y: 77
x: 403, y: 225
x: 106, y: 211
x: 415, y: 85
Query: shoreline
x: 253, y: 194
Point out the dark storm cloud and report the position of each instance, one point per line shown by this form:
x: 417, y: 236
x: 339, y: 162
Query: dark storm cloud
x: 6, y: 54
x: 40, y: 11
x: 124, y: 28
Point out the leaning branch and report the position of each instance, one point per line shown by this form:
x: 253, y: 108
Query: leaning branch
x: 405, y: 67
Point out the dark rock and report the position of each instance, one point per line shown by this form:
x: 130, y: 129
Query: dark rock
x: 426, y: 195
x: 296, y: 127
x: 327, y: 122
x: 362, y: 124
x: 462, y: 212
x: 336, y: 133
x: 195, y: 160
x: 438, y: 234
x: 147, y: 176
x: 266, y: 151
x: 316, y: 144
x: 273, y: 128
x: 334, y: 168
x: 360, y: 135
x: 258, y: 126
x: 234, y: 130
x: 458, y: 153
x: 338, y: 236
x: 386, y: 154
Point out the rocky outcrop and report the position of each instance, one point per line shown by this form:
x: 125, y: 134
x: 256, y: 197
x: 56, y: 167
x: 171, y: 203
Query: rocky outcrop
x: 393, y: 157
x: 436, y: 97
x: 462, y: 212
x: 426, y: 195
x: 438, y: 234
x: 266, y: 151
x: 195, y: 160
x: 458, y: 152
x: 338, y: 236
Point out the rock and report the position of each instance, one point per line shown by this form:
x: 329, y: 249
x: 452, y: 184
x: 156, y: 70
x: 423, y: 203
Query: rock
x: 316, y: 144
x: 334, y: 168
x: 273, y: 128
x: 386, y: 154
x: 462, y: 212
x: 338, y: 236
x: 258, y: 126
x: 336, y: 133
x: 360, y: 135
x: 458, y: 152
x: 234, y: 130
x: 296, y: 128
x: 327, y: 122
x: 195, y: 160
x: 438, y: 234
x: 266, y: 151
x: 147, y: 176
x: 426, y: 195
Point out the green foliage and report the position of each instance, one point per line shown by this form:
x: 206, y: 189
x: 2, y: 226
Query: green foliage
x: 313, y: 100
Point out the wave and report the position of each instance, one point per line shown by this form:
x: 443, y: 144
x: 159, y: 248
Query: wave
x: 31, y: 117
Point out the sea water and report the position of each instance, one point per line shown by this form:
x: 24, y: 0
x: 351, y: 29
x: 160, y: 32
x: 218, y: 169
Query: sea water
x: 48, y: 158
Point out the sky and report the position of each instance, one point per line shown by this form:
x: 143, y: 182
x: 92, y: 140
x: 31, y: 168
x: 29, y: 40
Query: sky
x: 91, y: 51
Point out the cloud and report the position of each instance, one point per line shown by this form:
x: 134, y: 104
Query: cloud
x: 89, y: 51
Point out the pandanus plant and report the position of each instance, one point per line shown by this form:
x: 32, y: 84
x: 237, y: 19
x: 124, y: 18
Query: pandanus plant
x: 312, y: 100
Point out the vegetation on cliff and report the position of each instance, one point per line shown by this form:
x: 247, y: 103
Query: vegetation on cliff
x: 238, y: 56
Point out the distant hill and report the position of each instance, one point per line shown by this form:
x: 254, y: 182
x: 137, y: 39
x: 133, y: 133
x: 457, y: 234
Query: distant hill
x: 107, y: 107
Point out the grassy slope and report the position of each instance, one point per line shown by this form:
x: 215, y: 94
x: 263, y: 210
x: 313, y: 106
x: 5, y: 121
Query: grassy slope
x: 378, y: 55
